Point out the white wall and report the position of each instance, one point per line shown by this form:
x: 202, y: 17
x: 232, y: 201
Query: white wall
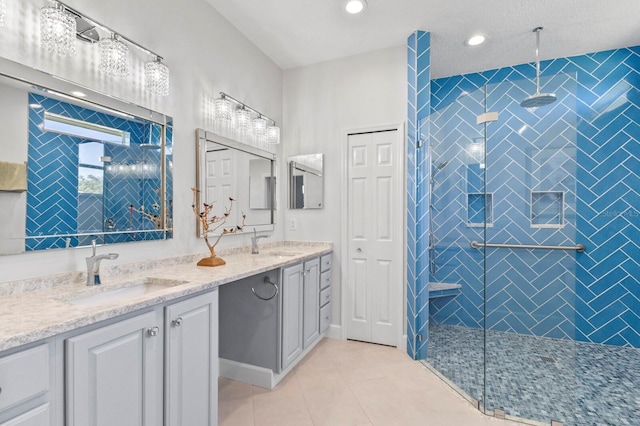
x: 321, y: 103
x: 205, y: 54
x: 15, y: 126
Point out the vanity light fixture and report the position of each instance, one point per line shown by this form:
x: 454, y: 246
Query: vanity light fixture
x: 114, y: 56
x: 246, y: 120
x: 222, y: 108
x: 3, y: 10
x: 475, y: 40
x: 243, y: 119
x: 355, y: 6
x: 273, y: 135
x: 156, y: 77
x: 60, y: 26
x: 58, y: 30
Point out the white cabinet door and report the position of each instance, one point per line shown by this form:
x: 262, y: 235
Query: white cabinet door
x: 311, y: 308
x: 291, y: 314
x: 114, y: 374
x: 39, y: 416
x: 191, y: 362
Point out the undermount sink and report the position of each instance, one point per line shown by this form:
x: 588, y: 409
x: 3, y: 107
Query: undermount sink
x: 97, y: 296
x: 281, y: 254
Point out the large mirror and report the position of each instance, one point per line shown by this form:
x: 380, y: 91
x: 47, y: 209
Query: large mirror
x: 77, y: 166
x: 226, y: 169
x: 306, y: 184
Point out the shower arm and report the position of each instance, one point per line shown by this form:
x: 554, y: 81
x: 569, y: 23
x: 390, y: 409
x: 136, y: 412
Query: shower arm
x: 537, y: 31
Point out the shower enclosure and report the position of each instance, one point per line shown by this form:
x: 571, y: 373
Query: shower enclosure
x: 512, y: 221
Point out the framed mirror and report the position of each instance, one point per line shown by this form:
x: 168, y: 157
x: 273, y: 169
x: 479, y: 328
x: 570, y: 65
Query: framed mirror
x: 306, y: 183
x: 77, y: 166
x: 226, y: 169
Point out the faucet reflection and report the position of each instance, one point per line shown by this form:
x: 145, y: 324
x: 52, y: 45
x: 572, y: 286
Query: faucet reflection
x: 93, y: 265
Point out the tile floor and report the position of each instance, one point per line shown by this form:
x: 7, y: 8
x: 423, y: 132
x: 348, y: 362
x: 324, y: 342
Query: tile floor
x: 579, y: 384
x: 352, y: 384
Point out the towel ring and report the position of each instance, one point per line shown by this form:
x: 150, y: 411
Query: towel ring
x: 266, y: 281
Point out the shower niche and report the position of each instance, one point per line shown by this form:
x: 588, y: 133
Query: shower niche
x: 479, y: 203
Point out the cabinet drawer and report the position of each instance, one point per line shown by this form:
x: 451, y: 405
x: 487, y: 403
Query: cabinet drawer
x: 325, y: 296
x: 39, y: 416
x: 24, y: 375
x: 325, y: 317
x: 325, y: 262
x: 325, y: 280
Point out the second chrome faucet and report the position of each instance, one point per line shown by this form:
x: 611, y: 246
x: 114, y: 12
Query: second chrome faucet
x: 254, y: 242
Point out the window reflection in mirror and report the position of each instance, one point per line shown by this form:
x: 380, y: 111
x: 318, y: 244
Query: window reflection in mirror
x: 306, y: 183
x: 93, y: 172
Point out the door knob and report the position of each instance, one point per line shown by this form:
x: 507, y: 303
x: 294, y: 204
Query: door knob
x: 153, y: 331
x: 359, y: 250
x: 177, y: 322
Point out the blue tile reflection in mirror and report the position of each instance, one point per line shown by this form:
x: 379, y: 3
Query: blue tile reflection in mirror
x: 93, y: 174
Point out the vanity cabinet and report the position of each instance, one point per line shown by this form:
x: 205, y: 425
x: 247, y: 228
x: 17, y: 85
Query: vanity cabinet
x: 325, y: 292
x: 26, y: 383
x: 115, y: 373
x: 292, y: 299
x: 191, y: 361
x: 311, y: 296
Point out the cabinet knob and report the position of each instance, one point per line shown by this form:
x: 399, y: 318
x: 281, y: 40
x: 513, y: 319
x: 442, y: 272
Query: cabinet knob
x: 177, y: 322
x: 153, y: 331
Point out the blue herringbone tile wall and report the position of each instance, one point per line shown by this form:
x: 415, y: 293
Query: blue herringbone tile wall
x: 52, y: 177
x: 419, y: 84
x: 584, y: 146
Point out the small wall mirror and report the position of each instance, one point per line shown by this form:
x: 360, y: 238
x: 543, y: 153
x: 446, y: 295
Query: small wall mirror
x: 77, y: 165
x: 228, y: 169
x: 306, y: 183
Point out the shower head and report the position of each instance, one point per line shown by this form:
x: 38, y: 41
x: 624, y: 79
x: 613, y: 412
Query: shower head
x: 149, y: 146
x: 442, y: 165
x: 539, y: 99
x: 437, y: 169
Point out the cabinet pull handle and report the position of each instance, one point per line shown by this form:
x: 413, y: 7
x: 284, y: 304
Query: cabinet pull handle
x: 153, y: 331
x: 177, y: 322
x: 266, y: 281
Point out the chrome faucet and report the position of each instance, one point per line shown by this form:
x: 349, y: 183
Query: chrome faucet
x: 93, y: 264
x: 254, y: 242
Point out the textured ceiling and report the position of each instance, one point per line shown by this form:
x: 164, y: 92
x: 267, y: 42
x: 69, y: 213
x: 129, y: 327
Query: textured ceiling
x: 295, y: 33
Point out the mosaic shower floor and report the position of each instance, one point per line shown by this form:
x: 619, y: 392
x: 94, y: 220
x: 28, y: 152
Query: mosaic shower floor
x: 578, y: 384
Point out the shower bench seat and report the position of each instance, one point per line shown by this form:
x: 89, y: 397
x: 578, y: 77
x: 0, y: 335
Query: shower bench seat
x: 437, y: 290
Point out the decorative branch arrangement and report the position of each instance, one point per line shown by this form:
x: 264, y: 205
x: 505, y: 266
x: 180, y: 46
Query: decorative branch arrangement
x: 212, y: 224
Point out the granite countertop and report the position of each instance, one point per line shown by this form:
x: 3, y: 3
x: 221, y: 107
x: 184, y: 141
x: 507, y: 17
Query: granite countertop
x: 33, y: 310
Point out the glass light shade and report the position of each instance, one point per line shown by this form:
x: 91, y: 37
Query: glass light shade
x: 156, y: 77
x: 222, y: 109
x: 243, y: 119
x: 57, y: 30
x: 260, y: 125
x: 273, y: 134
x: 2, y: 12
x: 114, y: 57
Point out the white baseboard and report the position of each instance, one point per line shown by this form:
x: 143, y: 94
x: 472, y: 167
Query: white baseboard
x: 334, y: 332
x: 259, y: 376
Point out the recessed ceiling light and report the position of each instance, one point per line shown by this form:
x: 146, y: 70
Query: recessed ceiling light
x: 475, y: 40
x: 355, y: 6
x: 78, y: 94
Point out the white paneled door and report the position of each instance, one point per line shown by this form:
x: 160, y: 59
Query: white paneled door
x: 221, y: 181
x: 375, y: 206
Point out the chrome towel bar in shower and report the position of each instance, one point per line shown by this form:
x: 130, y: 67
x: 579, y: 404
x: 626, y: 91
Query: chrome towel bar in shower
x: 580, y: 248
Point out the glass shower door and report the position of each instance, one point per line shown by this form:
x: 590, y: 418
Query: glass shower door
x: 529, y: 199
